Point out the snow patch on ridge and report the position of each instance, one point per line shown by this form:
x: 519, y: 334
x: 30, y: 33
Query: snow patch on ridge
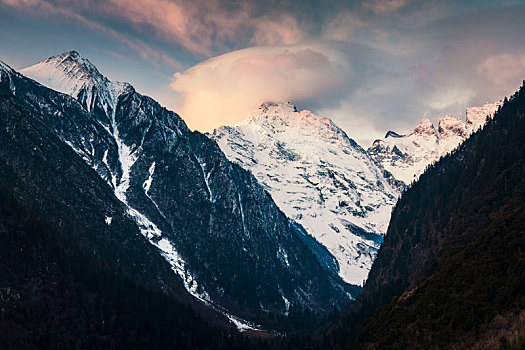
x: 283, y: 256
x: 245, y: 230
x: 206, y: 176
x: 125, y: 156
x: 179, y: 266
x: 242, y: 325
x: 148, y: 229
x: 286, y: 305
x: 147, y: 184
x: 5, y: 68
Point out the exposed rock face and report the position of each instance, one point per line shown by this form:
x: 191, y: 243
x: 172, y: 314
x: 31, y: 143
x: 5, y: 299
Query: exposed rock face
x: 407, y: 156
x: 210, y: 219
x: 75, y: 270
x: 319, y: 177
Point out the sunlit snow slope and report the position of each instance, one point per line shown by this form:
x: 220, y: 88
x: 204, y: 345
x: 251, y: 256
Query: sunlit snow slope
x: 407, y: 156
x: 319, y: 177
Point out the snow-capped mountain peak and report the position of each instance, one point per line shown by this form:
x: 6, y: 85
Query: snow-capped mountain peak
x: 68, y: 73
x: 278, y: 117
x: 407, y: 156
x: 450, y: 126
x: 319, y: 177
x: 72, y: 74
x: 4, y: 67
x: 270, y: 112
x: 425, y: 127
x: 274, y: 108
x: 477, y: 116
x: 285, y: 112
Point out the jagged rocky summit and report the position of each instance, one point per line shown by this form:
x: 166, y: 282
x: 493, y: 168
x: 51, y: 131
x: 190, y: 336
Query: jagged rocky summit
x: 407, y: 156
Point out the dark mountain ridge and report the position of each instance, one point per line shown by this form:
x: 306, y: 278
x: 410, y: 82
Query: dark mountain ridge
x: 68, y: 279
x: 217, y: 227
x: 452, y: 261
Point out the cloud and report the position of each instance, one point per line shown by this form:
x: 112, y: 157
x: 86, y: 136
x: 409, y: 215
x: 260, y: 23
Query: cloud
x: 432, y: 70
x: 202, y: 27
x: 282, y: 29
x: 224, y: 89
x: 504, y: 69
x: 369, y: 65
x: 449, y: 98
x: 21, y: 3
x: 47, y: 8
x: 385, y: 6
x: 345, y: 25
x: 205, y: 27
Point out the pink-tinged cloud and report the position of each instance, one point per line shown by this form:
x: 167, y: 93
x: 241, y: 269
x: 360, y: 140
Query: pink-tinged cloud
x: 281, y: 29
x: 47, y: 8
x: 343, y: 25
x: 163, y: 18
x: 203, y: 27
x: 504, y: 69
x: 385, y: 6
x: 21, y: 3
x: 224, y: 89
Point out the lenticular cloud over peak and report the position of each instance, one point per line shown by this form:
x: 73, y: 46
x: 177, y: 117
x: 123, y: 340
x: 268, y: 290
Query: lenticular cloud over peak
x: 234, y: 83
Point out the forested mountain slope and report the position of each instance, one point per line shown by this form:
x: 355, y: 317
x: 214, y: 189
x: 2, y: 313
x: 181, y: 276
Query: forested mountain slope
x: 450, y: 271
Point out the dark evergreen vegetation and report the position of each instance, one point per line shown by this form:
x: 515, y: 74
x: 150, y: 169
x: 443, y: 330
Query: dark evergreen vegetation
x: 453, y: 259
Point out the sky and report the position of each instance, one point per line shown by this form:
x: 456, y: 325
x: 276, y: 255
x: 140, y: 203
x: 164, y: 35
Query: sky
x: 370, y: 66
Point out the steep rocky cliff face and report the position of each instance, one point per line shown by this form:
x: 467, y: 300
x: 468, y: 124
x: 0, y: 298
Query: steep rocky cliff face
x: 75, y: 270
x: 319, y: 177
x: 217, y: 227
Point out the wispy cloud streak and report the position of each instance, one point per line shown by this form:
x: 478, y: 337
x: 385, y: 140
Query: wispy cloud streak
x: 45, y: 8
